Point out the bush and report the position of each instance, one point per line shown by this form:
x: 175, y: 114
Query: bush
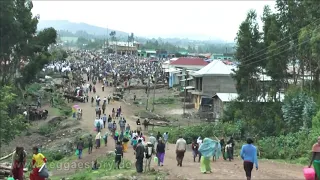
x: 54, y: 155
x: 210, y: 130
x: 164, y: 101
x: 46, y: 129
x: 290, y: 147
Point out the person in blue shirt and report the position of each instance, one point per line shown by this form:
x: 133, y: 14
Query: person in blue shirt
x: 249, y: 156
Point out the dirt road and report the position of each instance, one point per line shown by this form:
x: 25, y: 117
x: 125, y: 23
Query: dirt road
x: 190, y: 170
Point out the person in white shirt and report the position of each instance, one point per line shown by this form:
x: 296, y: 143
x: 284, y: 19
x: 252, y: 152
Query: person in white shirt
x: 199, y: 141
x: 181, y: 147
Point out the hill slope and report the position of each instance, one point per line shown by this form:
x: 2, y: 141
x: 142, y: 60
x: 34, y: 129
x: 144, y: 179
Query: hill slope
x: 74, y: 27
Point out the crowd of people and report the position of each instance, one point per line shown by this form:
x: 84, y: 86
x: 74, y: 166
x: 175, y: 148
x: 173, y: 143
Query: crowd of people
x: 109, y: 71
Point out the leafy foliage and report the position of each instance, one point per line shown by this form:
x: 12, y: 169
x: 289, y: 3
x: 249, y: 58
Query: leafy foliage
x: 10, y: 125
x: 298, y: 109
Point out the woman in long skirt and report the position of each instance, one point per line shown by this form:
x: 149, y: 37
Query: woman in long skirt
x: 19, y: 160
x: 126, y: 141
x: 161, y: 147
x: 113, y: 113
x: 206, y: 148
x: 205, y: 164
x: 98, y: 140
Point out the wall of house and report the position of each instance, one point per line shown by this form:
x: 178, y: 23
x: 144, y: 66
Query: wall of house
x: 196, y: 101
x: 217, y: 107
x: 218, y: 84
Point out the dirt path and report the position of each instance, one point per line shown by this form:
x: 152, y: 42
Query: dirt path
x: 190, y: 170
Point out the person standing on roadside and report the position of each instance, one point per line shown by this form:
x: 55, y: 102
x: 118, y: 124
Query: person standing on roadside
x: 139, y: 156
x: 231, y: 144
x: 249, y: 156
x: 181, y: 147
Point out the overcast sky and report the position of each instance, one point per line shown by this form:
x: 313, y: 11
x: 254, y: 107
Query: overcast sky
x: 196, y: 19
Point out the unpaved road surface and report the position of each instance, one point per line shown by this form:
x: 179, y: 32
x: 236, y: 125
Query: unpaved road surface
x: 190, y: 170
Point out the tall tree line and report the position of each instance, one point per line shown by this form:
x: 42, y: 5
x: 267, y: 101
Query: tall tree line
x: 287, y: 50
x: 290, y: 40
x: 23, y: 51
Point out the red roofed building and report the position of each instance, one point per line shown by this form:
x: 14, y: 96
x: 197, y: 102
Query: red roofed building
x: 189, y: 63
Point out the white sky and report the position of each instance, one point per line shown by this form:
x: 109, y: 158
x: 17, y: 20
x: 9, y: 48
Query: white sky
x: 216, y: 19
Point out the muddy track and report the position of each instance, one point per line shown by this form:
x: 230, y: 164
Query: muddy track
x: 190, y: 170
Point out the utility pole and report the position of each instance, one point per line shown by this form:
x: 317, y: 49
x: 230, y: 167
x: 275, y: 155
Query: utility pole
x: 107, y: 39
x: 104, y: 46
x: 185, y: 92
x: 154, y: 89
x: 148, y: 85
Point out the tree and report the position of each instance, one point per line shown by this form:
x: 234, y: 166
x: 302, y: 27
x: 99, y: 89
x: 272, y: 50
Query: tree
x: 248, y: 44
x: 10, y: 126
x: 113, y: 35
x: 298, y: 109
x: 20, y: 42
x: 23, y: 51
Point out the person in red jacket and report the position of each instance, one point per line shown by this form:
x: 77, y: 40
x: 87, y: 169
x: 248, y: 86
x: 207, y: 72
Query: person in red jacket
x: 195, y: 152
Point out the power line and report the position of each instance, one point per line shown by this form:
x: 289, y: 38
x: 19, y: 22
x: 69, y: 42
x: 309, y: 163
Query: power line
x: 272, y: 55
x: 274, y: 50
x: 262, y: 50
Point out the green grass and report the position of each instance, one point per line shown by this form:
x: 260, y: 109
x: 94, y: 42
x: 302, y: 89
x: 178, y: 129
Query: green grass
x: 106, y: 169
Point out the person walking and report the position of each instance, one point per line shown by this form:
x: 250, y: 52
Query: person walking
x: 161, y: 147
x: 195, y: 152
x: 181, y: 147
x: 38, y: 160
x: 248, y: 154
x: 104, y: 119
x: 165, y: 139
x: 103, y: 108
x: 98, y: 140
x: 139, y: 156
x: 19, y: 158
x: 208, y: 149
x: 105, y: 138
x: 80, y: 146
x: 153, y: 140
x: 149, y: 151
x: 231, y: 144
x: 119, y: 154
x: 90, y: 143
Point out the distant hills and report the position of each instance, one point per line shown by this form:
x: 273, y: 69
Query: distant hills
x: 76, y: 27
x: 68, y: 28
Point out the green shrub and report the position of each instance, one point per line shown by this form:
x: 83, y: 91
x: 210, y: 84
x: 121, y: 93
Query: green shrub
x: 46, y: 129
x: 65, y: 110
x: 210, y: 130
x: 54, y: 155
x: 164, y: 101
x: 291, y: 146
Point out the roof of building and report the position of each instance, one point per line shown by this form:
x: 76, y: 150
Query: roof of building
x: 226, y: 97
x: 190, y: 61
x: 215, y: 68
x: 151, y: 51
